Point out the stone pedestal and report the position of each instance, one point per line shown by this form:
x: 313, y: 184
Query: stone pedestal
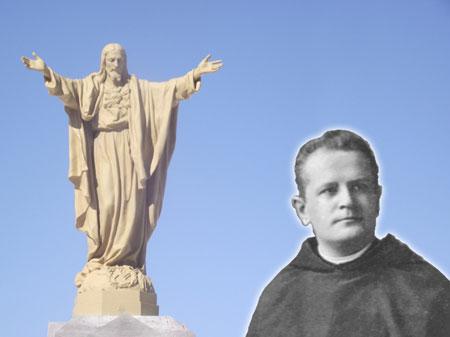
x: 114, y: 290
x: 115, y: 302
x: 119, y: 326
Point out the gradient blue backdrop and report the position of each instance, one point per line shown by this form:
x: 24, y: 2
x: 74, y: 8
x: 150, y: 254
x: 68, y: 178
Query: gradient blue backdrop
x: 292, y: 70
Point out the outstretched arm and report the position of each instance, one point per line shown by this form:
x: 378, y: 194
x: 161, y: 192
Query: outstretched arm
x: 66, y: 89
x: 206, y: 66
x: 37, y: 64
x: 186, y: 85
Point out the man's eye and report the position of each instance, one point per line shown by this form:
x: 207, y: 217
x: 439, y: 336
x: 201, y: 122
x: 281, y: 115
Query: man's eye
x: 328, y: 190
x: 359, y: 187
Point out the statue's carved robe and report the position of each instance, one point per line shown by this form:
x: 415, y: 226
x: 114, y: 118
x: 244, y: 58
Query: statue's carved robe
x: 119, y: 169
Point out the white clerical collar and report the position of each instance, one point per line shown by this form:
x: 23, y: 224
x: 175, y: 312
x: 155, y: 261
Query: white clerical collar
x: 343, y: 259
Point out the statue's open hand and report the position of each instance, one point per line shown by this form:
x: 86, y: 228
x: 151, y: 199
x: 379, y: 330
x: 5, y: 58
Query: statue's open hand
x: 206, y: 66
x: 37, y: 64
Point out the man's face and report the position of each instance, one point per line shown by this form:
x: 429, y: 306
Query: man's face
x: 115, y: 64
x: 341, y: 197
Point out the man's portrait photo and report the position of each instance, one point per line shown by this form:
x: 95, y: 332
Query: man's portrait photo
x: 345, y: 281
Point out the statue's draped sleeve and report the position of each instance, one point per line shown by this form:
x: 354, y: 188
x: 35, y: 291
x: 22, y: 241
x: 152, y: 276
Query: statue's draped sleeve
x: 153, y: 133
x: 80, y: 98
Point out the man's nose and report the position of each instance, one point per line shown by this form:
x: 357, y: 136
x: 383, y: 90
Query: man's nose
x: 345, y: 197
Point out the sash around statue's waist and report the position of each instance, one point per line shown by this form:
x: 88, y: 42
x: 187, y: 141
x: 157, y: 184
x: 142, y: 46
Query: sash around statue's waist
x: 110, y: 128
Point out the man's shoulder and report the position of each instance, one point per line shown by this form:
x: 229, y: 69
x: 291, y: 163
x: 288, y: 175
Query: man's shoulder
x: 397, y: 258
x: 291, y: 276
x: 282, y: 282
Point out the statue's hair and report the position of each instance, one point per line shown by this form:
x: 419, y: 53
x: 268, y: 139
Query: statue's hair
x: 343, y: 140
x: 106, y: 49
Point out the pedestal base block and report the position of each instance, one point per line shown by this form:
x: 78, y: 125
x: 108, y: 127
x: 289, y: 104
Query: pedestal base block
x: 115, y: 302
x: 119, y: 326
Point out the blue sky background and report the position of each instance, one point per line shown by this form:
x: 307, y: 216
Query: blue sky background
x: 292, y: 70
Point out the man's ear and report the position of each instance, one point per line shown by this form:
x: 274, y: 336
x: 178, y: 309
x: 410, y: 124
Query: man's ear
x: 379, y: 193
x: 299, y: 205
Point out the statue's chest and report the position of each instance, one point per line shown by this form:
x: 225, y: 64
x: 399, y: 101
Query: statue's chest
x: 114, y: 109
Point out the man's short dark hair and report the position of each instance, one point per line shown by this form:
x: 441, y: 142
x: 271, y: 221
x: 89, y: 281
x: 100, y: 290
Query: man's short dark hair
x: 333, y: 140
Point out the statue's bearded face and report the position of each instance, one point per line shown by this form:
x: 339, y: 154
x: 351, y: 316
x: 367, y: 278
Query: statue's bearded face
x: 115, y: 65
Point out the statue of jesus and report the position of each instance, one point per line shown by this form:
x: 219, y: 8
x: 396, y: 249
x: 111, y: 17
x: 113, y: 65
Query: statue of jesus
x: 121, y: 138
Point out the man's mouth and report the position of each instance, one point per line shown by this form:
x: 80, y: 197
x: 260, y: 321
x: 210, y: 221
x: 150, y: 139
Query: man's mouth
x: 349, y: 219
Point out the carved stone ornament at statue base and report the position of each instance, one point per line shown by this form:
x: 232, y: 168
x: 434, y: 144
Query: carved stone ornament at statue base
x: 113, y: 290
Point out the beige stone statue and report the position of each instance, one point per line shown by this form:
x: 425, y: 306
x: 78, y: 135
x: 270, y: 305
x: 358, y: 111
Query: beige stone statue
x: 121, y: 138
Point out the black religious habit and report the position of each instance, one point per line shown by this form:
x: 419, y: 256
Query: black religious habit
x: 388, y: 291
